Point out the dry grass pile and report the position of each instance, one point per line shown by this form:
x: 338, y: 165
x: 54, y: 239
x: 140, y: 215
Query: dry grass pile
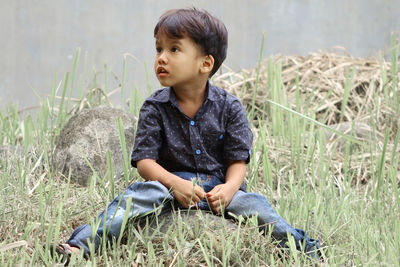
x: 358, y: 96
x: 322, y: 76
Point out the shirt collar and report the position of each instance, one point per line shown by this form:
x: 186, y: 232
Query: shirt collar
x: 212, y: 92
x: 168, y: 95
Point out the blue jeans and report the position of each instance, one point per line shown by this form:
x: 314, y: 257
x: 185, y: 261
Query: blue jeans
x: 146, y: 196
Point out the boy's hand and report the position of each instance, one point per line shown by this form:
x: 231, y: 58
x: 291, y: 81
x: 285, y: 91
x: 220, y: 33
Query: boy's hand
x: 220, y: 197
x: 187, y: 193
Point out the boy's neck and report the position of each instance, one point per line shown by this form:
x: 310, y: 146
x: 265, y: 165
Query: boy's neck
x: 191, y: 99
x: 194, y: 94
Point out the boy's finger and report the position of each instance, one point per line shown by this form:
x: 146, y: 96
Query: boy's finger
x: 198, y: 196
x: 210, y: 197
x: 214, y: 204
x: 194, y: 199
x: 213, y: 197
x: 200, y: 192
x: 213, y: 191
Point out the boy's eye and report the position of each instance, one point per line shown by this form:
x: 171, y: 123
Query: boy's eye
x: 158, y: 49
x: 175, y: 49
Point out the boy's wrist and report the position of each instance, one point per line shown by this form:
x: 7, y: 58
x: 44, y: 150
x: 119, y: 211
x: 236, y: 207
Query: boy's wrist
x: 235, y: 174
x: 150, y: 170
x: 232, y: 186
x: 170, y: 180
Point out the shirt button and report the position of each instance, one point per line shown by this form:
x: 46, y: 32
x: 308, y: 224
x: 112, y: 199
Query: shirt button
x: 192, y: 123
x: 198, y: 152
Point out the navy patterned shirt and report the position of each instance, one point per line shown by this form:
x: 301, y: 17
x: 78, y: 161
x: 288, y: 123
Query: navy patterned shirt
x: 218, y: 132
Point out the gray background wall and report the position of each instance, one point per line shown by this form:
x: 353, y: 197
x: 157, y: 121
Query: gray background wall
x: 39, y: 38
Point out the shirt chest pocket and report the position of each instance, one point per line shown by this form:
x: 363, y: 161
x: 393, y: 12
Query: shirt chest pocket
x: 213, y: 136
x: 213, y: 139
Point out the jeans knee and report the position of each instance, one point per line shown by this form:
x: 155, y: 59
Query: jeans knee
x: 242, y: 200
x: 148, y: 186
x: 250, y: 199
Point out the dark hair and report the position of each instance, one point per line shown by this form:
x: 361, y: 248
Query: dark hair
x: 204, y: 29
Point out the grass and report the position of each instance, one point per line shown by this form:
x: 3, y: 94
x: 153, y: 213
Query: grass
x: 345, y: 194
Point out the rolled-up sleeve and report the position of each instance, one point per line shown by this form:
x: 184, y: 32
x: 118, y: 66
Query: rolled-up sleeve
x: 238, y: 135
x: 148, y: 139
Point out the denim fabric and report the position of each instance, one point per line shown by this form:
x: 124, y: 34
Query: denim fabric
x: 147, y: 196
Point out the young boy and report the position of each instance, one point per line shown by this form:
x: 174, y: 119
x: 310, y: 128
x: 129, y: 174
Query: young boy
x: 193, y: 139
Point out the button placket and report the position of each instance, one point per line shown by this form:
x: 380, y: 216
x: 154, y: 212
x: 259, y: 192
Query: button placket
x: 194, y: 140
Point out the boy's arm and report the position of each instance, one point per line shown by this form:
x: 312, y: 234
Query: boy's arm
x: 184, y: 191
x: 221, y: 195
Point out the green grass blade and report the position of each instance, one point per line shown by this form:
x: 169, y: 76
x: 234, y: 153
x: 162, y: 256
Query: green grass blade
x: 381, y: 165
x: 61, y: 113
x: 124, y: 150
x: 253, y: 101
x: 347, y: 90
x: 348, y: 137
x: 125, y: 219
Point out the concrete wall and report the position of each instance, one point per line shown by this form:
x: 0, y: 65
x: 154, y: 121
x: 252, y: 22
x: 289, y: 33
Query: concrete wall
x: 39, y: 38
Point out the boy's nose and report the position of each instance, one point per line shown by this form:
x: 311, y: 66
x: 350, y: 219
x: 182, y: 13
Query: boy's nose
x: 162, y: 58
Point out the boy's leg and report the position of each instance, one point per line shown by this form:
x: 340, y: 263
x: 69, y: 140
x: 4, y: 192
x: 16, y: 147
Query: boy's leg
x: 249, y: 204
x: 146, y: 196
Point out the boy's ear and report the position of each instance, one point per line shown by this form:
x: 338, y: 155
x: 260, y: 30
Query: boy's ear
x: 207, y: 64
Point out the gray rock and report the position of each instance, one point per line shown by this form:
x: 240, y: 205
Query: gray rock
x: 87, y: 137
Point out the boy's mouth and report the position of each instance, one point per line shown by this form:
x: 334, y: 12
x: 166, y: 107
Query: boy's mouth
x: 161, y: 71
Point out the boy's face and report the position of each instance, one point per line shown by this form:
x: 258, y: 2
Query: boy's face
x: 178, y: 62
